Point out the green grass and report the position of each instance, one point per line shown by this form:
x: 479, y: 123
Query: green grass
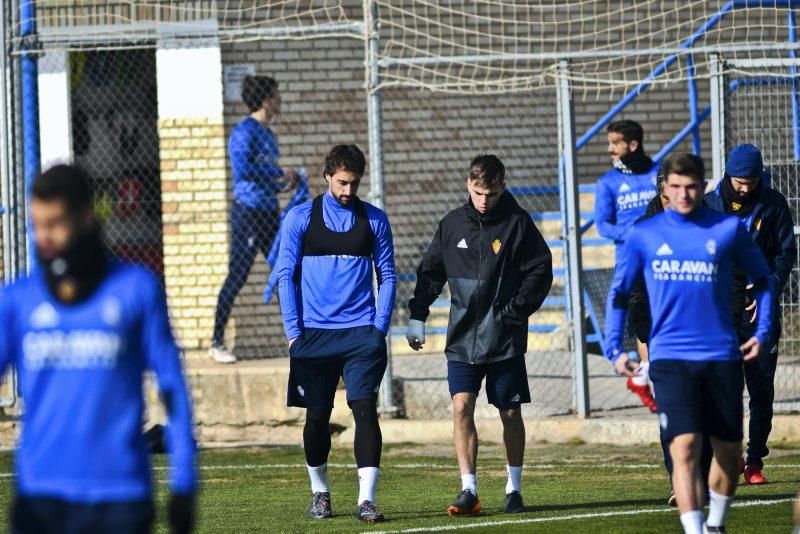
x: 266, y: 490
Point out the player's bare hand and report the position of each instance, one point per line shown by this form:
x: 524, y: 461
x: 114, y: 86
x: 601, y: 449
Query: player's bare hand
x: 625, y: 366
x: 750, y: 348
x: 415, y: 334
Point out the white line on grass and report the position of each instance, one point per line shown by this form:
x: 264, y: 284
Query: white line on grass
x: 619, y: 513
x: 432, y: 466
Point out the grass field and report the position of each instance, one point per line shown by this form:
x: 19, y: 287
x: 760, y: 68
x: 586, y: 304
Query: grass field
x: 567, y: 488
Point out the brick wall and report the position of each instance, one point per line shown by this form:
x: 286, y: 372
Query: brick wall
x: 194, y: 201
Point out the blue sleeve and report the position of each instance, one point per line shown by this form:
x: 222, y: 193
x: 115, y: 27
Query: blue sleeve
x: 163, y: 358
x: 383, y: 256
x: 787, y: 256
x: 605, y: 208
x: 243, y: 161
x: 748, y: 256
x: 289, y: 261
x: 628, y: 270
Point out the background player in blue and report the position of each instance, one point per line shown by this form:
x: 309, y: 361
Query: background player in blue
x: 745, y: 193
x: 622, y: 193
x: 255, y: 213
x: 334, y: 325
x: 499, y: 270
x: 686, y: 256
x: 81, y: 330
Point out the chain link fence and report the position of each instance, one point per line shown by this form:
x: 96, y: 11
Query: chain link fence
x: 146, y: 95
x: 759, y: 110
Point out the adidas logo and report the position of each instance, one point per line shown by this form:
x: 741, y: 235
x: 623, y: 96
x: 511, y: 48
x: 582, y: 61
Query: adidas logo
x: 624, y: 188
x: 462, y: 244
x: 515, y: 398
x: 664, y: 250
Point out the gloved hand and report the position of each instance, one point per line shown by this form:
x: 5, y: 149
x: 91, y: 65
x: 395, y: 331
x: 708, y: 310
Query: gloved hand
x: 415, y: 334
x: 181, y: 513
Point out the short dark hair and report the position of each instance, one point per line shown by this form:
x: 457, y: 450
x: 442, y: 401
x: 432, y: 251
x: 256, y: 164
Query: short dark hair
x: 685, y: 164
x: 486, y: 170
x: 630, y: 130
x: 256, y: 89
x: 67, y: 183
x: 345, y: 158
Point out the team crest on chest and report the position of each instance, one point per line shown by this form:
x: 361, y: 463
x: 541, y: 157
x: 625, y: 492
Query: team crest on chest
x: 496, y: 246
x: 711, y: 247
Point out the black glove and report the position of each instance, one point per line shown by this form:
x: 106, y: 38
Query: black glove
x: 181, y: 513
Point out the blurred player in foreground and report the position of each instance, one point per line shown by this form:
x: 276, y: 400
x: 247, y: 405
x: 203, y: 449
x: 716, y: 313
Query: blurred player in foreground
x: 499, y: 270
x: 686, y: 256
x: 335, y: 327
x: 81, y: 331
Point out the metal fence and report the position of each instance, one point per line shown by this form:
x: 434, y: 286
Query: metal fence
x: 758, y: 108
x: 146, y: 95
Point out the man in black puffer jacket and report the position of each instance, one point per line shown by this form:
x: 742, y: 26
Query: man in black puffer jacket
x: 744, y: 192
x: 499, y: 270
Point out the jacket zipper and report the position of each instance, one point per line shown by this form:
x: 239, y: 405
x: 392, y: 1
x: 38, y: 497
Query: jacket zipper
x: 478, y: 291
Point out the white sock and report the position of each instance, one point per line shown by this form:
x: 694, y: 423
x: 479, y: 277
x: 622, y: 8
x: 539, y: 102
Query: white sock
x: 718, y: 507
x: 692, y: 522
x: 641, y: 377
x: 367, y: 483
x: 514, y: 479
x: 319, y: 478
x: 470, y: 482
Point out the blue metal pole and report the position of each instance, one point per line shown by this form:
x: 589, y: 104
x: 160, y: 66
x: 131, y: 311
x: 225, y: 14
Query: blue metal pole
x: 30, y: 92
x: 689, y: 128
x: 693, y: 104
x: 658, y: 71
x: 795, y: 95
x: 30, y: 105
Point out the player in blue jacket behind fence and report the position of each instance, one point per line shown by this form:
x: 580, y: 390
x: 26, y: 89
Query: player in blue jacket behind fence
x: 255, y: 213
x: 622, y: 193
x: 81, y: 330
x: 686, y: 256
x: 335, y: 326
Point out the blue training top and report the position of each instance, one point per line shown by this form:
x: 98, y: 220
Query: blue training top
x: 335, y: 291
x: 620, y: 200
x: 80, y: 372
x: 254, y: 156
x: 687, y: 263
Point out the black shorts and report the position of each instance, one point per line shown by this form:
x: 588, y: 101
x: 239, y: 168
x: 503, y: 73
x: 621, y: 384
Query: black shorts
x: 699, y: 398
x: 506, y: 381
x: 320, y: 356
x: 45, y: 515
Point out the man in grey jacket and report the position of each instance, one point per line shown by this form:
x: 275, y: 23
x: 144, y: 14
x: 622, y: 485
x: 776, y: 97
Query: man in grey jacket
x: 499, y: 270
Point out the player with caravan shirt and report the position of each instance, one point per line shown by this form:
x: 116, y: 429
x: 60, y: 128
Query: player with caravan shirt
x: 81, y: 330
x: 622, y: 193
x: 686, y: 256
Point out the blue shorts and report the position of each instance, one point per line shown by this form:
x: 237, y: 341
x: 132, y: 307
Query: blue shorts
x: 43, y: 515
x: 506, y: 381
x: 699, y: 398
x: 320, y: 356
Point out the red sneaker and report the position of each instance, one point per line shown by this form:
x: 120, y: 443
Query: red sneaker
x: 645, y: 395
x: 753, y: 476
